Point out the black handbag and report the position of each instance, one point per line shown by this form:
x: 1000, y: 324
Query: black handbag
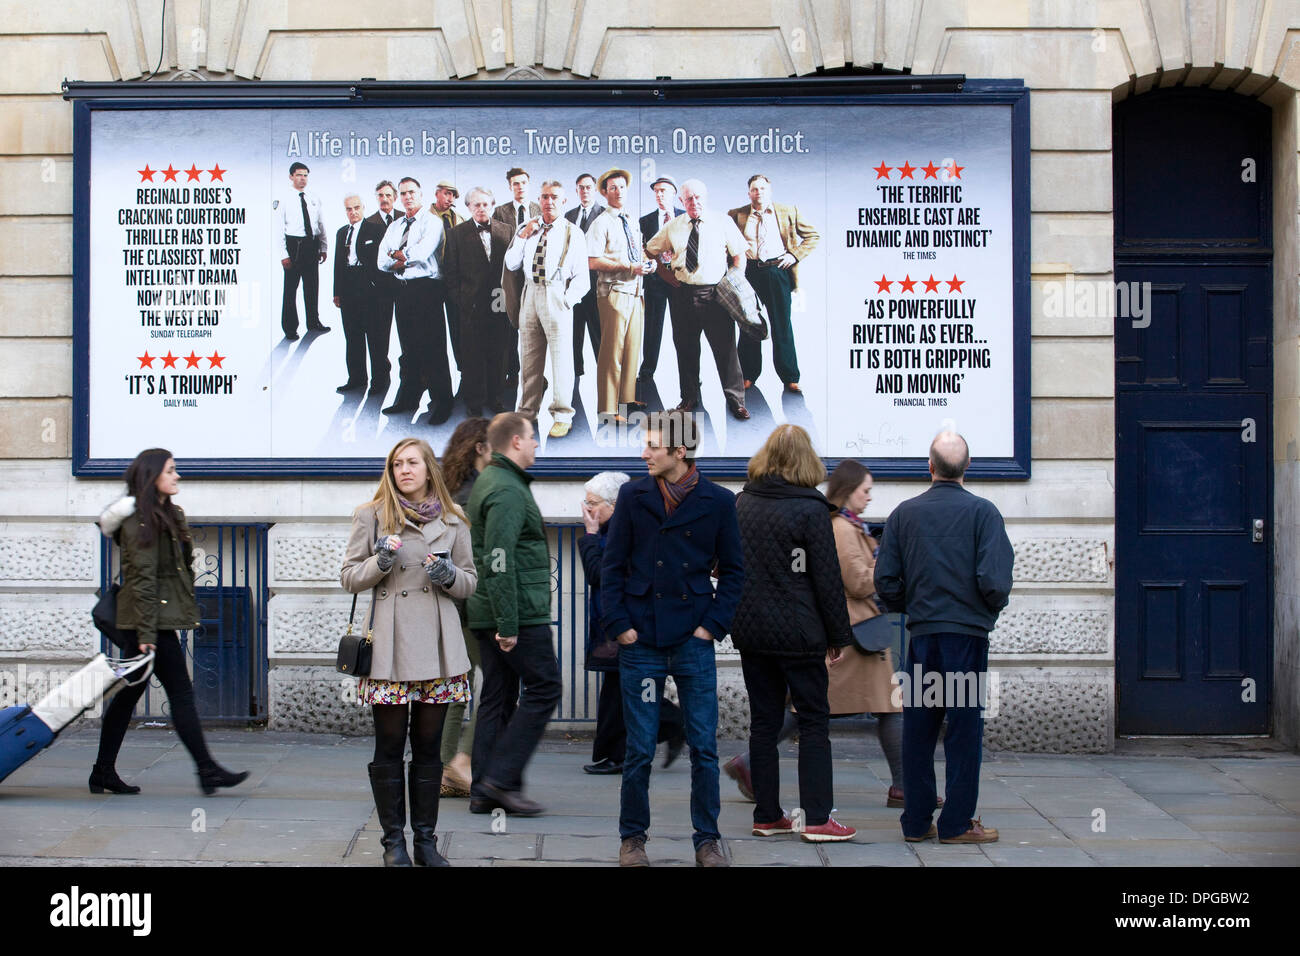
x: 104, y: 614
x: 875, y: 634
x: 355, y: 649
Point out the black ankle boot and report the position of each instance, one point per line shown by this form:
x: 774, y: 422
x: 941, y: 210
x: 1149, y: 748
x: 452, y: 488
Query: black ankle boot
x: 425, y: 781
x: 389, y: 788
x: 216, y: 775
x: 102, y: 779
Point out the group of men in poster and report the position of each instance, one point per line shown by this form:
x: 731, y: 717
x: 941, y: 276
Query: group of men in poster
x: 519, y: 283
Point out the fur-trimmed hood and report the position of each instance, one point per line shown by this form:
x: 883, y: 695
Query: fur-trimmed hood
x: 111, y: 518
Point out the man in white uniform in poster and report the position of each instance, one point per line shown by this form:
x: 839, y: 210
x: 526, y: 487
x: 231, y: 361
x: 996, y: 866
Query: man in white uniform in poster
x: 552, y: 252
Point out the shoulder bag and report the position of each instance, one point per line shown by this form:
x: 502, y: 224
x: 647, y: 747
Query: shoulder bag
x: 354, y: 649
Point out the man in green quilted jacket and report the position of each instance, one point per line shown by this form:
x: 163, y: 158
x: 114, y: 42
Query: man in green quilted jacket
x: 510, y: 617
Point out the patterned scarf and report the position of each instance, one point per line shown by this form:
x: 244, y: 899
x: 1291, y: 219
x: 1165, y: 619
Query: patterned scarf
x: 421, y: 513
x: 675, y: 492
x: 856, y: 521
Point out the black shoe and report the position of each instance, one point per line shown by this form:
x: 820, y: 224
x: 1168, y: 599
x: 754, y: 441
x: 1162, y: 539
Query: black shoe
x: 675, y: 748
x: 513, y: 801
x: 636, y: 406
x: 210, y: 778
x: 318, y: 328
x: 291, y: 336
x: 389, y: 789
x: 740, y: 412
x: 439, y: 413
x: 603, y: 766
x: 425, y: 782
x: 479, y: 804
x: 102, y: 779
x: 399, y: 407
x: 350, y: 387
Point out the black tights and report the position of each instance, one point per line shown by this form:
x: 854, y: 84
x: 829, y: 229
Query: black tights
x: 169, y: 668
x: 426, y: 732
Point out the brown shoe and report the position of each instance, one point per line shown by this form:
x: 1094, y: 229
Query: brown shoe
x: 632, y: 852
x: 978, y: 833
x: 895, y: 798
x: 709, y: 854
x: 930, y: 834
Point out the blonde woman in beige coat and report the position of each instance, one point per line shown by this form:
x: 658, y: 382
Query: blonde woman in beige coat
x: 862, y: 683
x: 410, y: 548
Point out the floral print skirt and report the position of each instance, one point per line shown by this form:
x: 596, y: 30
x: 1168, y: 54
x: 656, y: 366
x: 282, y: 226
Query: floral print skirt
x: 439, y: 690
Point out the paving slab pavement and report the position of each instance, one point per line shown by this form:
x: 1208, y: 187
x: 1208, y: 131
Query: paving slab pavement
x: 307, y: 803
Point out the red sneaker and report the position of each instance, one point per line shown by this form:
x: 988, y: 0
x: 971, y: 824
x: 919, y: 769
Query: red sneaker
x: 784, y: 825
x: 832, y: 831
x: 737, y: 768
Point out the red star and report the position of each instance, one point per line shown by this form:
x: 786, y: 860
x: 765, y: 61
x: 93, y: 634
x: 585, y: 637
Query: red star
x: 216, y: 171
x: 955, y: 284
x: 882, y: 284
x: 882, y: 171
x: 146, y: 360
x: 931, y: 284
x: 169, y: 174
x: 931, y: 170
x: 907, y: 283
x: 192, y: 172
x: 215, y: 359
x: 192, y: 360
x: 146, y: 174
x: 169, y: 360
x: 955, y: 171
x: 905, y: 171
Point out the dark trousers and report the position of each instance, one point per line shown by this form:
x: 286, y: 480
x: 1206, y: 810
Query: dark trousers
x: 767, y: 679
x: 484, y: 355
x: 379, y: 332
x: 503, y: 742
x: 586, y: 317
x: 773, y: 286
x: 357, y: 310
x: 611, y: 731
x: 169, y: 668
x: 696, y: 311
x: 423, y: 334
x: 942, y: 654
x: 304, y: 267
x: 656, y: 304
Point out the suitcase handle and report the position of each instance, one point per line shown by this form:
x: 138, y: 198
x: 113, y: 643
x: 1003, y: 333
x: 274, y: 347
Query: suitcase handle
x: 130, y: 663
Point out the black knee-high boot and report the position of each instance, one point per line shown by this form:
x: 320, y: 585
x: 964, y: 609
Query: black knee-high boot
x: 390, y: 800
x: 425, y: 780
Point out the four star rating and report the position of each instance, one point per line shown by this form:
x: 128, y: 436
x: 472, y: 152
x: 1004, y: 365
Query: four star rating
x: 907, y: 284
x: 908, y: 171
x: 215, y: 174
x: 191, y: 361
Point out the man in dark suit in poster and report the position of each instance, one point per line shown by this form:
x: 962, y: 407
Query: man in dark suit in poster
x: 356, y: 249
x: 385, y: 284
x: 471, y: 263
x: 656, y: 288
x: 585, y: 315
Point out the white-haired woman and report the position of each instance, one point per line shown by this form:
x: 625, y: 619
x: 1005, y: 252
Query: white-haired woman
x: 607, y: 750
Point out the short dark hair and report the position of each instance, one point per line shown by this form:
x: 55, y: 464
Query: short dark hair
x: 516, y: 171
x: 757, y: 176
x: 676, y: 429
x: 384, y: 182
x: 846, y: 477
x: 585, y: 176
x: 410, y: 179
x: 297, y: 166
x: 505, y: 427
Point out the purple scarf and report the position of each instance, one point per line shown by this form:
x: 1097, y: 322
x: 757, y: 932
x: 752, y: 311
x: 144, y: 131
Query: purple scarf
x: 421, y: 513
x: 675, y: 492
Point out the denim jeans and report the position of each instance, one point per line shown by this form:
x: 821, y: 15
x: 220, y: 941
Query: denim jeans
x: 962, y: 744
x: 691, y: 665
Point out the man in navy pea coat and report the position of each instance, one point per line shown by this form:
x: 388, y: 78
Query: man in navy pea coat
x: 669, y: 531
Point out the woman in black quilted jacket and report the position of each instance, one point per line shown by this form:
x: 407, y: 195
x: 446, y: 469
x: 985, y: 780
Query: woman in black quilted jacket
x: 792, y: 614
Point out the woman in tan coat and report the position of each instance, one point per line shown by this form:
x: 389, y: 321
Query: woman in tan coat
x: 410, y: 548
x: 862, y: 683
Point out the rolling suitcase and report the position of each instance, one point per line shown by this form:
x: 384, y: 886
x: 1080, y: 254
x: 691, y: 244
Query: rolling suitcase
x: 27, y: 730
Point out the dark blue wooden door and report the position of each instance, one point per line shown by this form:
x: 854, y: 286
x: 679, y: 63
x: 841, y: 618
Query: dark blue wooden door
x: 1193, y: 384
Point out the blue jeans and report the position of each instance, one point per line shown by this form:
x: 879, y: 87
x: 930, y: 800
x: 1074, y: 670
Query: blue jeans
x: 692, y: 667
x: 962, y: 745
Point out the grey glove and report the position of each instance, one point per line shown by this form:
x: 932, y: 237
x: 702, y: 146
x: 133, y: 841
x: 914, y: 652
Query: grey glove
x: 441, y: 571
x: 384, y: 555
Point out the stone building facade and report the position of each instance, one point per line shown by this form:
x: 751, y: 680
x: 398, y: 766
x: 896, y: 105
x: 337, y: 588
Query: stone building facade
x: 1055, y: 647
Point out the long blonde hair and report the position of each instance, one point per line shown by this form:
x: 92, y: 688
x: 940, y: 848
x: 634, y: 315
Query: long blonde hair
x: 390, y: 511
x: 788, y: 452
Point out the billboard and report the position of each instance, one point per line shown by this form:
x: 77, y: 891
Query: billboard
x: 232, y: 307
